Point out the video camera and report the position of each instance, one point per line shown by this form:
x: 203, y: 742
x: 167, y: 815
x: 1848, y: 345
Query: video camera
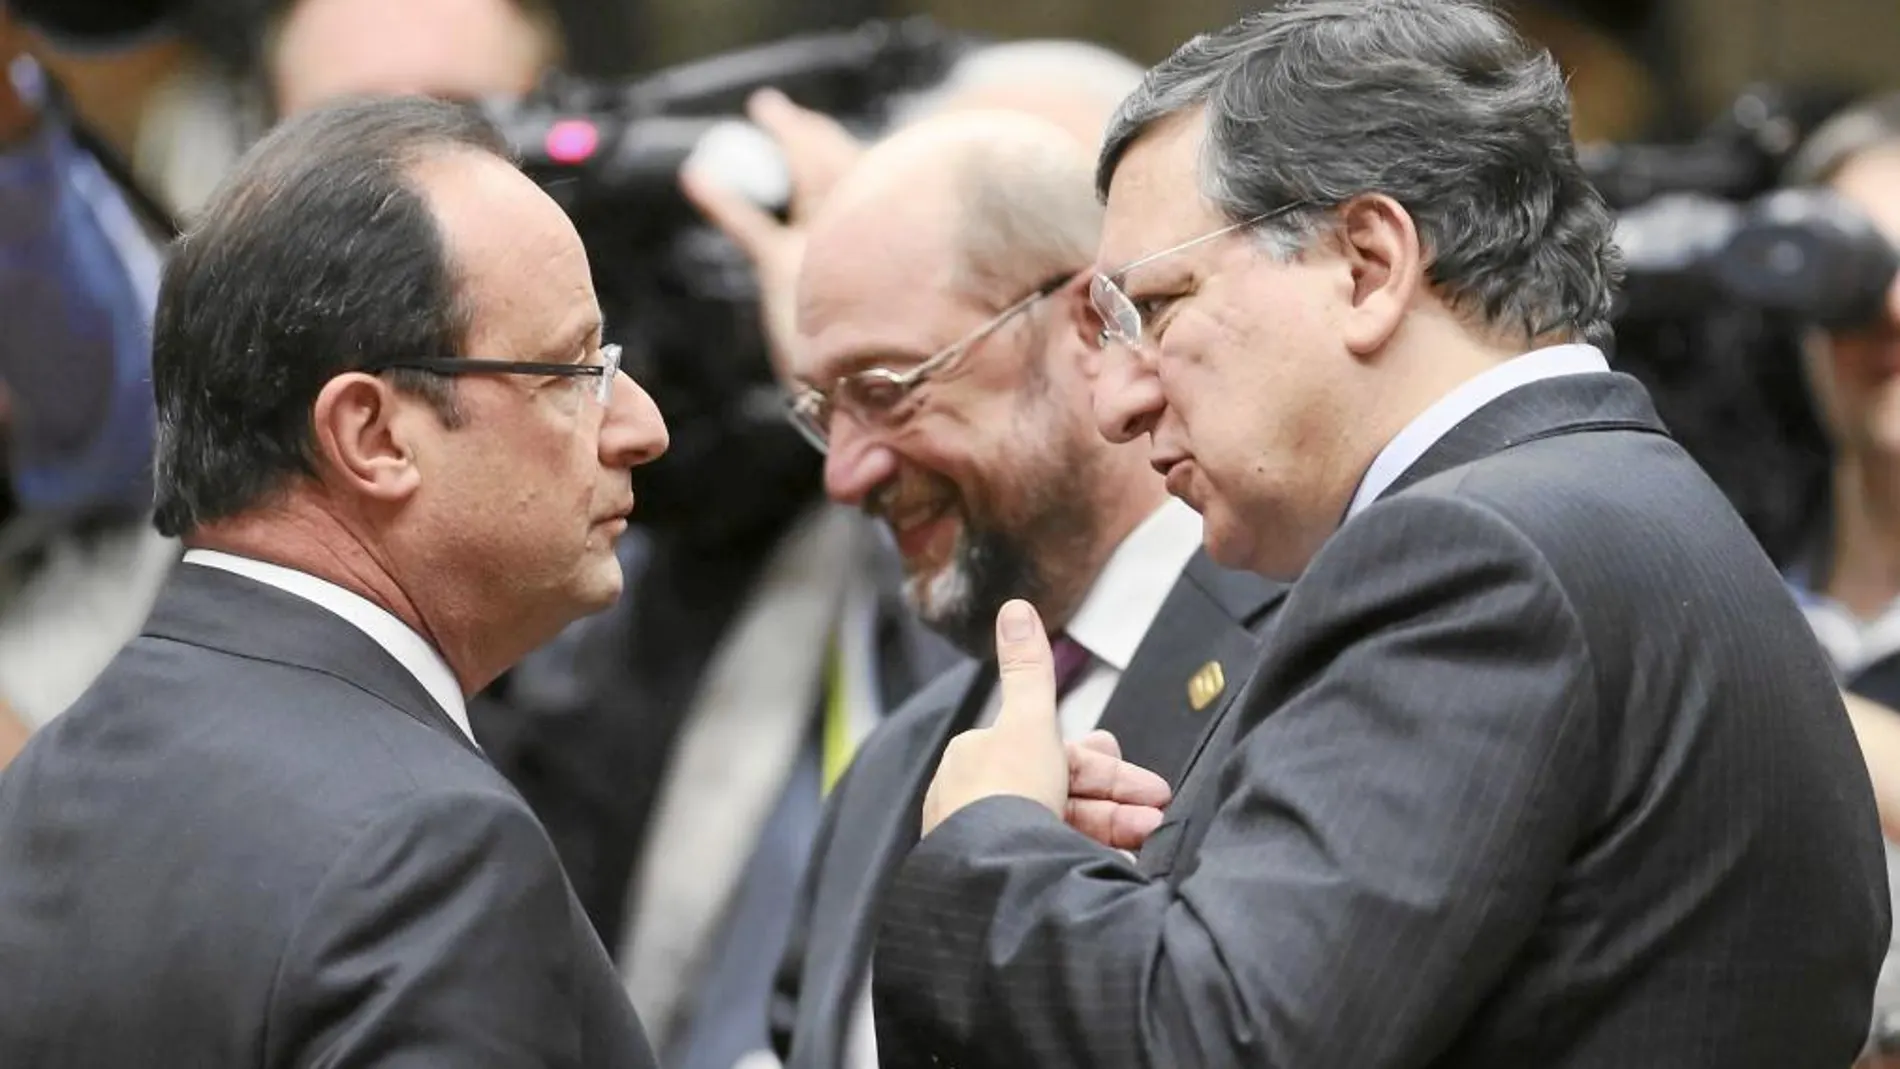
x: 677, y: 295
x: 1725, y: 273
x: 1703, y: 224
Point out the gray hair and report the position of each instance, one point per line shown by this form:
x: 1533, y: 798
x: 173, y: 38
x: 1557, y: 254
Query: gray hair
x: 1027, y: 214
x: 1438, y: 104
x: 1866, y: 125
x: 1077, y: 66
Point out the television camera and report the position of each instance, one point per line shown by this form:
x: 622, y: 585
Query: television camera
x: 1725, y: 271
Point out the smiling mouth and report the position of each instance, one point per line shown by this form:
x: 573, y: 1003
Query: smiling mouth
x: 915, y: 518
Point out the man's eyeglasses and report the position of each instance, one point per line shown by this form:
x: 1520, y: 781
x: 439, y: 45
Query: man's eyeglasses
x: 876, y: 395
x: 605, y: 372
x: 1121, y: 317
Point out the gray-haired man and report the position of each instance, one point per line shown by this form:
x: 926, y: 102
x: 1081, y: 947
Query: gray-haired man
x: 1540, y: 766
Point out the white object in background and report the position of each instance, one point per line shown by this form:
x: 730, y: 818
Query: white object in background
x: 746, y: 160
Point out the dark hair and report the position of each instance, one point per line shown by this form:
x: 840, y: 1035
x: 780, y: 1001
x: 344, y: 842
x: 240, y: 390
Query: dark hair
x: 1438, y: 104
x: 316, y: 256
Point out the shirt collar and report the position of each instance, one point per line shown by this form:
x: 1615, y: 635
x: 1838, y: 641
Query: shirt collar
x: 1127, y: 596
x: 1435, y: 422
x: 408, y: 648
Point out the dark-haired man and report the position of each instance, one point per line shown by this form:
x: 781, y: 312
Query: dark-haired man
x: 398, y: 454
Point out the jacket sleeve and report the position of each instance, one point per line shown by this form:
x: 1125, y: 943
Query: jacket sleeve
x: 1409, y: 771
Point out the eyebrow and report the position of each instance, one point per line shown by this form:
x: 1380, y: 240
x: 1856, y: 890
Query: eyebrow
x: 572, y: 343
x: 865, y: 359
x: 1153, y: 276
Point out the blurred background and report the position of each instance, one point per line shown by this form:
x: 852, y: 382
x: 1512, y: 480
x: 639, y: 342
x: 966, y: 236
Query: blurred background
x: 118, y: 118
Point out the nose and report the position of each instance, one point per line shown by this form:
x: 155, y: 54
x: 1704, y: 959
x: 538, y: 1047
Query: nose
x: 857, y: 462
x: 632, y: 432
x: 1127, y: 395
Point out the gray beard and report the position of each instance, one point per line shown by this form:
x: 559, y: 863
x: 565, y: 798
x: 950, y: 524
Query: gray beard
x: 960, y: 600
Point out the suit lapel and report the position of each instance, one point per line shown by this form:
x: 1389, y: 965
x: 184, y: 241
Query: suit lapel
x: 220, y: 610
x: 1194, y: 656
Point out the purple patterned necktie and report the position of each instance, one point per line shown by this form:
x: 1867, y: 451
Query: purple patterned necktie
x: 1072, y: 662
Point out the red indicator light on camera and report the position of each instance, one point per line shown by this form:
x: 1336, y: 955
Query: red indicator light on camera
x: 572, y: 141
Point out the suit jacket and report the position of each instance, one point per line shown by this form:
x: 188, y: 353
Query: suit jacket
x: 256, y: 841
x: 1542, y: 766
x: 872, y: 816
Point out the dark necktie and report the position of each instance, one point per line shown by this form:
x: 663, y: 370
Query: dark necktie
x: 1072, y: 662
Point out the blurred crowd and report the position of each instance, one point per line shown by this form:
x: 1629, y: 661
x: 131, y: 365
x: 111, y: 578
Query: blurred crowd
x: 680, y: 723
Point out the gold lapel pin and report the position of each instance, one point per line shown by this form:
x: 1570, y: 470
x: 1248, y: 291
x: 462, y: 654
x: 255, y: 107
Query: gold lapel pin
x: 1205, y: 685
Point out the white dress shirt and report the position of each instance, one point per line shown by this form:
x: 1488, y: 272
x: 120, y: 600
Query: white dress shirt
x: 1118, y: 610
x: 408, y: 648
x: 1434, y: 423
x: 1110, y: 623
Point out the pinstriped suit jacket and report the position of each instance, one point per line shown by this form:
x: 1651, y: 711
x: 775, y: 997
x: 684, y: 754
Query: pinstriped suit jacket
x: 1541, y: 768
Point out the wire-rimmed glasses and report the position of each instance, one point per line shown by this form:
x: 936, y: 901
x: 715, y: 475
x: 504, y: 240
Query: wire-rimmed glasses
x: 1120, y: 315
x: 877, y: 395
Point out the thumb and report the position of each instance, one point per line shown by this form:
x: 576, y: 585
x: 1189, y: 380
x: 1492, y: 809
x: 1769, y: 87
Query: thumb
x: 818, y: 150
x: 1026, y: 672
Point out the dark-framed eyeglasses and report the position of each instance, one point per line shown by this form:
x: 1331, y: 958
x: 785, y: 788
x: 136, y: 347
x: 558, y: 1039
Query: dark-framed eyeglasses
x: 876, y: 396
x: 1121, y: 317
x: 604, y: 372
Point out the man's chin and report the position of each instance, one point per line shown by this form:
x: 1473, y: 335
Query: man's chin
x: 600, y: 587
x: 942, y: 602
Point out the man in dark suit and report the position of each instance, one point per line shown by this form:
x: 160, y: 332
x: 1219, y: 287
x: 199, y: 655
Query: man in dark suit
x: 1539, y: 766
x: 398, y: 455
x: 996, y: 484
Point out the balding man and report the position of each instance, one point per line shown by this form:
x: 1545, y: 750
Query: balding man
x: 1072, y: 84
x: 940, y: 369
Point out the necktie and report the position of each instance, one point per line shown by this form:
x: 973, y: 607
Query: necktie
x: 1072, y: 662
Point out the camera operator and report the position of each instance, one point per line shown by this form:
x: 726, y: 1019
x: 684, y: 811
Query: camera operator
x: 1848, y: 578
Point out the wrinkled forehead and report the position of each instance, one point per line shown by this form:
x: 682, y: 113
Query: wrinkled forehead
x: 875, y: 326
x: 1155, y: 199
x: 869, y: 298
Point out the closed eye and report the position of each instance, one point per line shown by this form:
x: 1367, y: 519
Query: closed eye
x: 1152, y: 307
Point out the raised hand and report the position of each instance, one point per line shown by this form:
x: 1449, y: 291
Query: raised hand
x: 817, y: 153
x: 1085, y: 783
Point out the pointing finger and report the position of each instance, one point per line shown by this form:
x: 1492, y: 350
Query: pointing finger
x: 818, y: 151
